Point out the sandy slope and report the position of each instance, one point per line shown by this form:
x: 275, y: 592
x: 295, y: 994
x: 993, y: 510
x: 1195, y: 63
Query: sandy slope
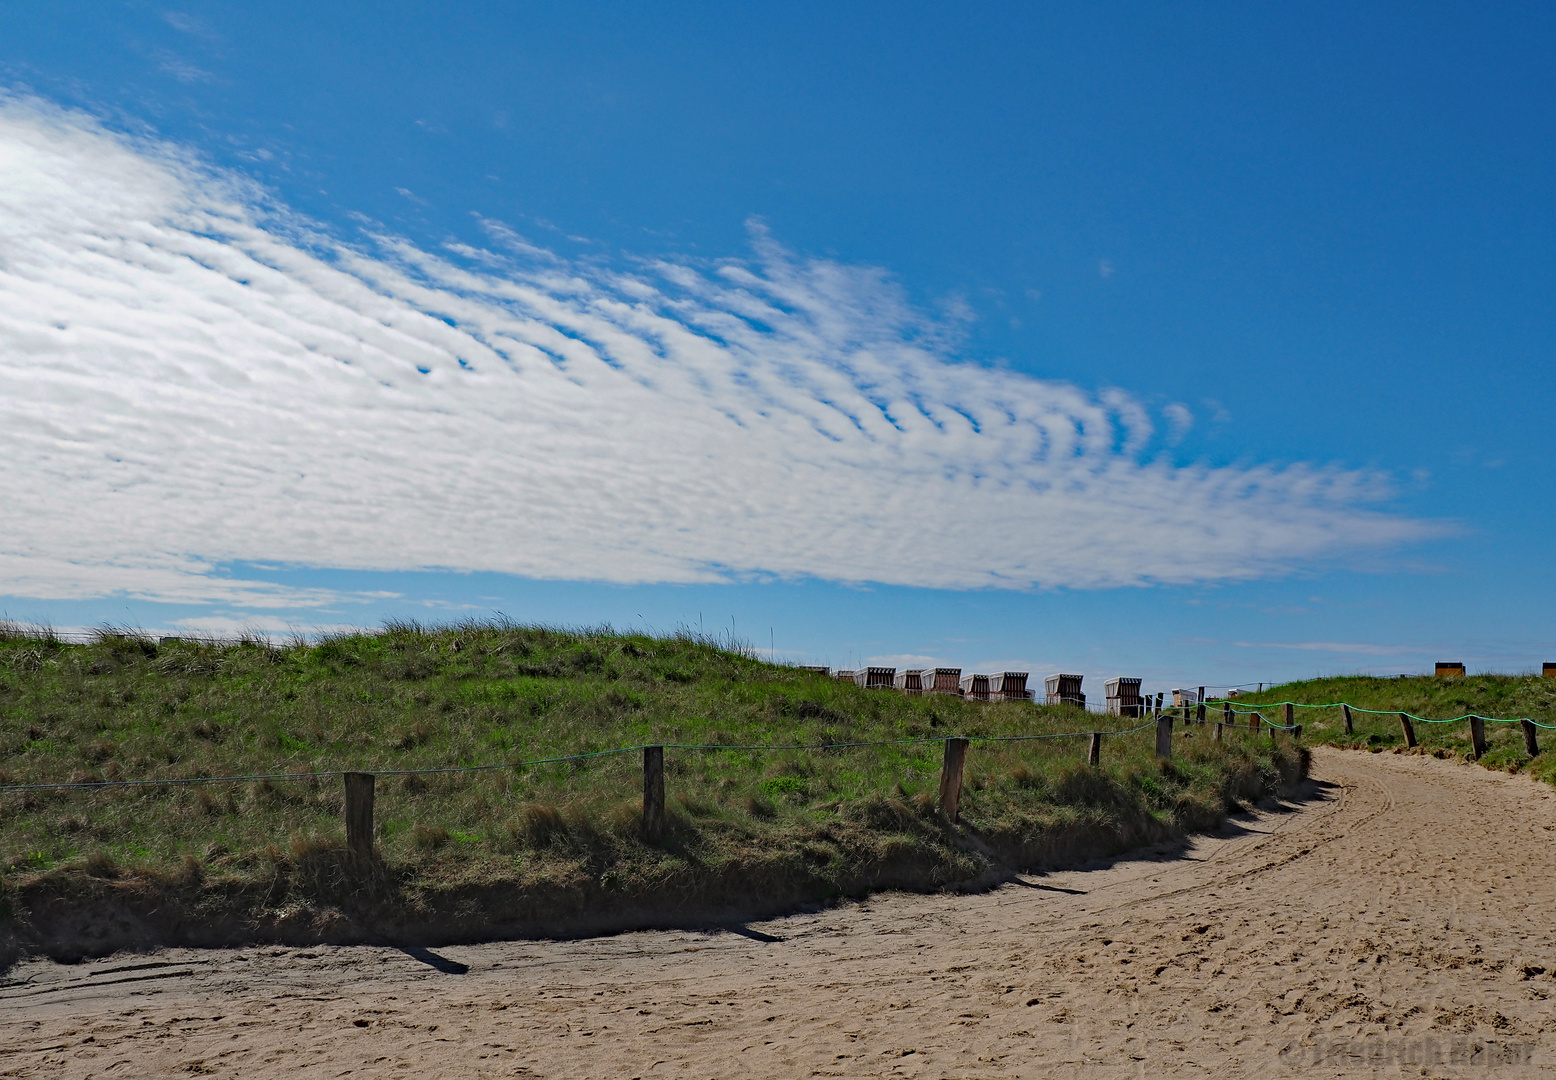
x: 1394, y: 924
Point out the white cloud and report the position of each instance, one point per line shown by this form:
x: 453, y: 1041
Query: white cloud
x: 184, y: 71
x: 151, y: 576
x: 1180, y: 419
x: 189, y: 376
x: 220, y: 626
x: 189, y: 24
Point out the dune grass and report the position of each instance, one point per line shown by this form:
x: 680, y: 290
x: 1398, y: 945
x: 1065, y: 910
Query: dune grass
x: 775, y: 827
x: 1504, y: 696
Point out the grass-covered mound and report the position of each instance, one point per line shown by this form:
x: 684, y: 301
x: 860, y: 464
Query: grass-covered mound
x: 550, y: 848
x: 1503, y: 696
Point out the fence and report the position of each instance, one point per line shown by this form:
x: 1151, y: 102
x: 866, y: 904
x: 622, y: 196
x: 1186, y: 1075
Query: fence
x: 360, y: 786
x: 1407, y: 722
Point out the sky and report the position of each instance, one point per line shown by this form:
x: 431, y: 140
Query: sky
x: 1205, y: 345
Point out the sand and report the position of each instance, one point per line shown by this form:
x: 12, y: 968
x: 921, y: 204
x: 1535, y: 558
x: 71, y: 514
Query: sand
x: 1398, y: 920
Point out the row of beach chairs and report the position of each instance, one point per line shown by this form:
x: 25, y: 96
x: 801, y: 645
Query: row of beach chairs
x: 1123, y: 694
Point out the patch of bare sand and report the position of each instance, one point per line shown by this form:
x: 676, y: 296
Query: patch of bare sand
x: 1397, y: 923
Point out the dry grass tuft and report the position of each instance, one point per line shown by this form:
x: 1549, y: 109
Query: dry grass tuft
x: 429, y: 837
x: 538, y: 825
x: 100, y: 864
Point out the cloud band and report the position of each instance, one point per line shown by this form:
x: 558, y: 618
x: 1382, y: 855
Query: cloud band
x: 192, y: 376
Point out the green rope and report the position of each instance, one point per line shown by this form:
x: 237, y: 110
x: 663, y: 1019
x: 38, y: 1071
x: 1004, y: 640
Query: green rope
x: 1391, y: 712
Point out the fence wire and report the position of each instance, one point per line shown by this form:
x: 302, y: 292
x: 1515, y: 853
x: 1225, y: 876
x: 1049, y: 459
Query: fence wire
x: 1388, y: 712
x: 1241, y: 710
x: 700, y: 747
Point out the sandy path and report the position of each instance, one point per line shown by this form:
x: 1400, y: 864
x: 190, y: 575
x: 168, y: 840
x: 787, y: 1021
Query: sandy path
x: 1395, y: 924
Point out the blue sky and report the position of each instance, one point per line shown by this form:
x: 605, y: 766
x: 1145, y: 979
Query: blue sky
x: 1209, y: 345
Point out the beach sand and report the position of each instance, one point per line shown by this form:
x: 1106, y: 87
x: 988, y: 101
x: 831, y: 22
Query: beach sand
x: 1399, y: 919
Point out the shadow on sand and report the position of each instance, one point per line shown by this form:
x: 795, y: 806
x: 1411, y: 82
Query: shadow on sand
x: 1308, y: 793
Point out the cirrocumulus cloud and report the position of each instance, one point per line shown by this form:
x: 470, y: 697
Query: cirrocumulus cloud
x: 191, y: 376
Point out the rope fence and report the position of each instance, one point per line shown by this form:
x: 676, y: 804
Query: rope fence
x: 1156, y: 712
x: 360, y: 785
x: 1407, y: 721
x: 1389, y: 712
x: 704, y: 747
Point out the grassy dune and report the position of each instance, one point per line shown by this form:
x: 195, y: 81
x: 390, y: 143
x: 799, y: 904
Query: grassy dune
x: 1507, y: 696
x: 541, y: 849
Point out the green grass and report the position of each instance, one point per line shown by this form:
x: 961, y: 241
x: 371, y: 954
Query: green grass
x: 1506, y: 696
x: 539, y: 845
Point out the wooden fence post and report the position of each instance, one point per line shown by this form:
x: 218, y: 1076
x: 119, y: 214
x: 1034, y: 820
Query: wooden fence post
x: 1216, y: 735
x: 1531, y: 744
x: 653, y: 793
x: 1253, y: 719
x: 1410, y: 731
x: 1094, y: 752
x: 1291, y: 715
x: 1478, y: 736
x: 1164, y: 736
x: 1226, y: 713
x: 1345, y: 710
x: 1199, y: 714
x: 359, y: 814
x: 951, y: 778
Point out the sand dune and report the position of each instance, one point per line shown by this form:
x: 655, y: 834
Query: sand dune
x: 1400, y: 921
